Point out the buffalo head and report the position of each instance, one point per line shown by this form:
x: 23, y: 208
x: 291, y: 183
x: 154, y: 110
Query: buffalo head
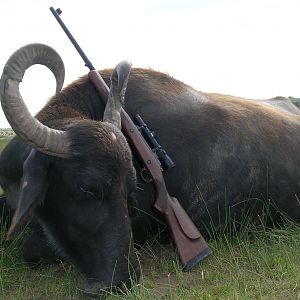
x: 77, y: 175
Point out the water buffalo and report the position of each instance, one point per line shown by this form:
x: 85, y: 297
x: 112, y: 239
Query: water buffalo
x: 73, y: 170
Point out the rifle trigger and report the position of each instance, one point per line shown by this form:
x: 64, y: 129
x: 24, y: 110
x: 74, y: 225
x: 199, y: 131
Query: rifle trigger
x: 146, y: 175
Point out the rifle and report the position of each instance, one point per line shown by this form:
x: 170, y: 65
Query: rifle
x: 190, y: 244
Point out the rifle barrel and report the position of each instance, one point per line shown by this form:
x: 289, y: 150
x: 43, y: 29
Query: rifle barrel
x: 56, y: 13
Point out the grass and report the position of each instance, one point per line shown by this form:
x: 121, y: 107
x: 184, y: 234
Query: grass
x: 255, y: 263
x: 265, y: 266
x: 3, y: 141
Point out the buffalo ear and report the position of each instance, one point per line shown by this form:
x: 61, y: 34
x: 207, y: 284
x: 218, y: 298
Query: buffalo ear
x: 32, y: 190
x: 119, y: 79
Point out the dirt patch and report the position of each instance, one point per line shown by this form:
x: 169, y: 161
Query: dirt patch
x: 162, y: 266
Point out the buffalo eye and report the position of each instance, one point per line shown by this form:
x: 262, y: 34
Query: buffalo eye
x: 85, y: 189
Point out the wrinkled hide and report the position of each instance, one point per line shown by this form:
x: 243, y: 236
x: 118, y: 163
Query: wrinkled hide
x: 235, y: 158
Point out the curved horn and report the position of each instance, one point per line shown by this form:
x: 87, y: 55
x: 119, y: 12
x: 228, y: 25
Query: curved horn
x: 33, y: 132
x: 119, y: 79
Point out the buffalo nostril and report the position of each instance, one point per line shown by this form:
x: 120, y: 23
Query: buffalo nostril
x: 96, y: 288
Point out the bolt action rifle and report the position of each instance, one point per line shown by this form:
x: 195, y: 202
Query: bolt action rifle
x: 190, y: 244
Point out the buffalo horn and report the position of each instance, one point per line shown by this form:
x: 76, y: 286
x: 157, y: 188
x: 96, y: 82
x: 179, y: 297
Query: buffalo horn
x: 33, y: 132
x: 119, y: 79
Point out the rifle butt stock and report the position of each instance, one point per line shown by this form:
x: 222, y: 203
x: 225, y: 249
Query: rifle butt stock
x: 190, y: 244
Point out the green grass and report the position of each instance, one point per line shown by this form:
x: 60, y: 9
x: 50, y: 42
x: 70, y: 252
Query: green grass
x: 3, y: 142
x: 18, y: 281
x: 255, y: 263
x: 265, y: 266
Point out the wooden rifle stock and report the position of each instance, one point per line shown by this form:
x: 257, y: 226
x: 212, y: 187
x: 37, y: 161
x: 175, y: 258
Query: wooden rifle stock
x: 191, y: 246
